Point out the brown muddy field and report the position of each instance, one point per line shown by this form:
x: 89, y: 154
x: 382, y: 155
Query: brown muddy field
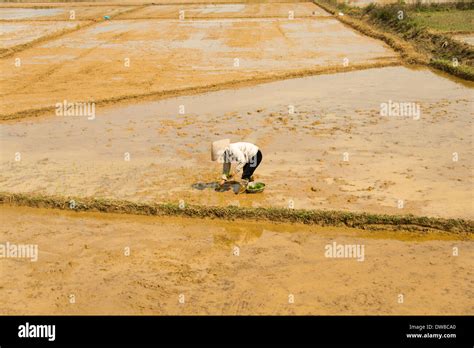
x: 62, y: 13
x: 125, y: 58
x: 308, y: 91
x: 217, y: 11
x: 150, y: 152
x: 277, y: 268
x: 14, y: 34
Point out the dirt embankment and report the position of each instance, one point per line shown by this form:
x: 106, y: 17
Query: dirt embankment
x: 322, y: 218
x: 416, y: 45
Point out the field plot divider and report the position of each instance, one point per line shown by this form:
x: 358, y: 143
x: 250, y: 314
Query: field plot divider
x: 8, y: 52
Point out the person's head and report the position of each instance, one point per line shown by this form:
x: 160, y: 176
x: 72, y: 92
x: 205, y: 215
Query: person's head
x: 218, y: 148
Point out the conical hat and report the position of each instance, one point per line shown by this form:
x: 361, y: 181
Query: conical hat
x: 218, y: 147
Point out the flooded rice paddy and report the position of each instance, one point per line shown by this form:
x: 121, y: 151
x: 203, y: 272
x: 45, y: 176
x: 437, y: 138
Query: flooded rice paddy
x: 341, y: 123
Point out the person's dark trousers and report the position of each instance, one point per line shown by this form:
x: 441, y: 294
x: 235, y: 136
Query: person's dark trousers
x: 250, y: 167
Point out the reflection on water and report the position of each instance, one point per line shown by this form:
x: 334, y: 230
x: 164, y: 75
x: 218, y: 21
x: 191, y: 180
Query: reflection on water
x: 227, y: 186
x: 202, y: 186
x: 237, y: 235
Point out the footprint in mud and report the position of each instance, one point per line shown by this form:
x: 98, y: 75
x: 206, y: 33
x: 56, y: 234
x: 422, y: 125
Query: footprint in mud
x: 230, y: 185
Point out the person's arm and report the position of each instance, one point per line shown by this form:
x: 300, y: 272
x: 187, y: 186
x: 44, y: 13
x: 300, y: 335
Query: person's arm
x: 226, y: 165
x: 225, y: 170
x: 240, y: 158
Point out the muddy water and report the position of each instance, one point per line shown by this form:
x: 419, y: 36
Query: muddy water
x: 281, y: 10
x: 167, y: 55
x: 59, y: 12
x: 27, y: 13
x: 116, y: 264
x: 335, y: 148
x: 467, y: 38
x: 13, y: 34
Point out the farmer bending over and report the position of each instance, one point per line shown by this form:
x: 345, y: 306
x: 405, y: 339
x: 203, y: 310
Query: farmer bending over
x: 246, y: 155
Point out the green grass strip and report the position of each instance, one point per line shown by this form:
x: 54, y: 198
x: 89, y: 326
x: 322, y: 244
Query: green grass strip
x: 316, y: 217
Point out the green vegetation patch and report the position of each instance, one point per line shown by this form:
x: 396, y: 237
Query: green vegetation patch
x: 256, y: 187
x: 315, y: 217
x: 424, y: 27
x: 445, y: 21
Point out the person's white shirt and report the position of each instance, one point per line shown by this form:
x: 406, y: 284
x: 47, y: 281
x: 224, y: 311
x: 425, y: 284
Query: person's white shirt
x: 240, y: 153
